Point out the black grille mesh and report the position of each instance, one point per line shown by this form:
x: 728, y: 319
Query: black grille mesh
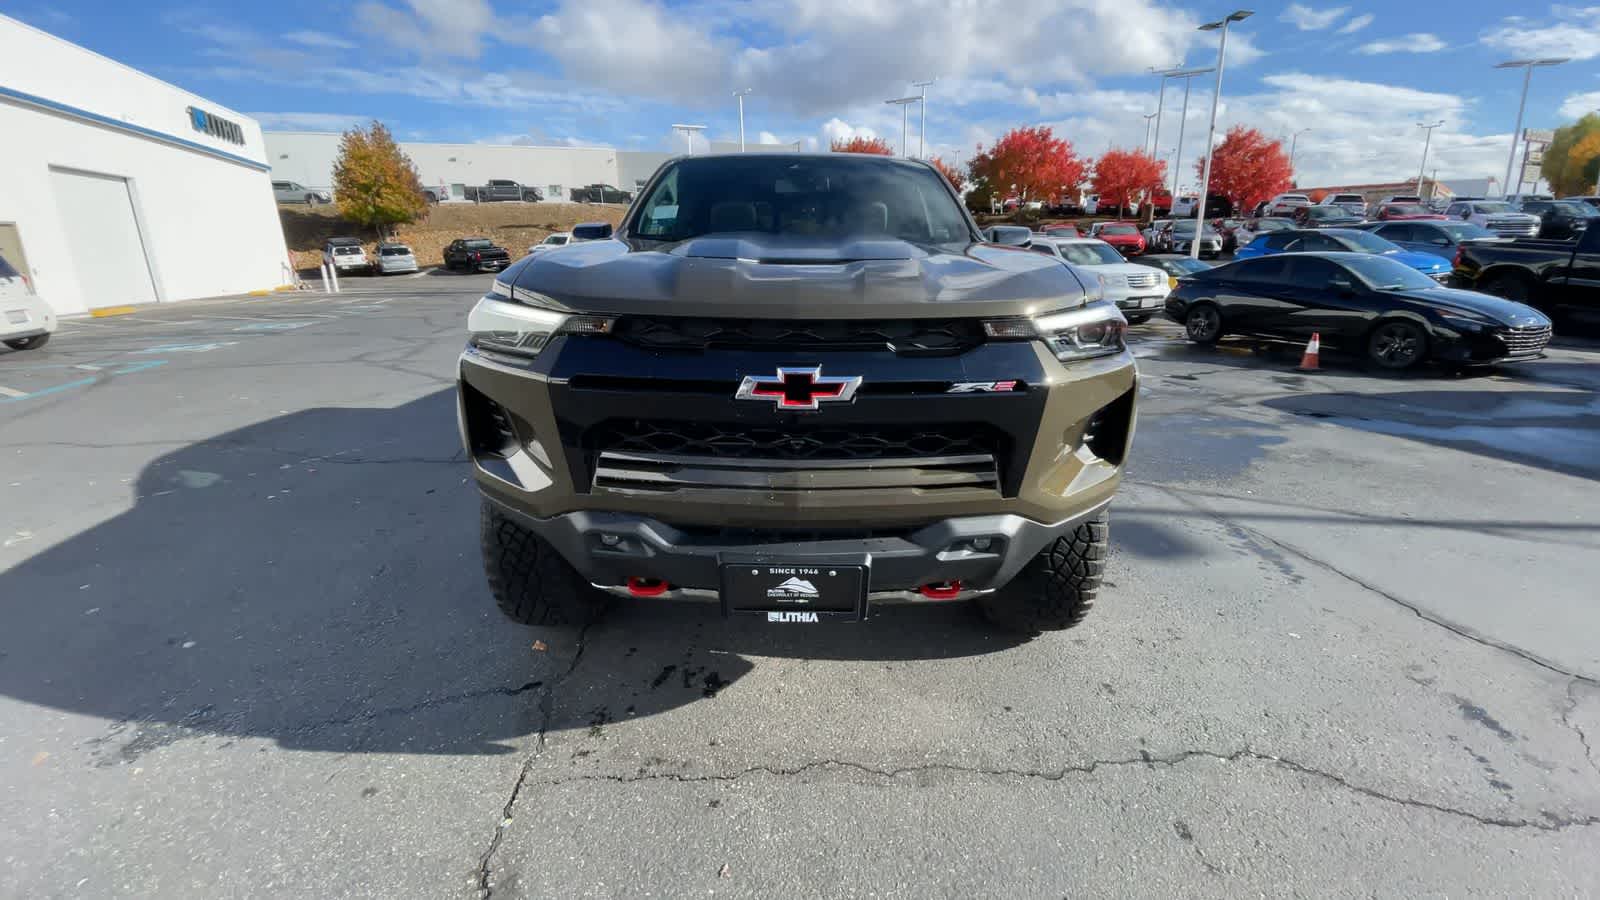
x: 745, y: 442
x: 910, y: 336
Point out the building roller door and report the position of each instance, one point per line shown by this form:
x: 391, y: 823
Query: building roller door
x: 103, y: 239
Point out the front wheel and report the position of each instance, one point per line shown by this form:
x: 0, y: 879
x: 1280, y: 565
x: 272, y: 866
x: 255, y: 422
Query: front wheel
x: 28, y: 343
x: 1397, y: 345
x: 531, y: 582
x: 1203, y: 325
x: 1057, y: 588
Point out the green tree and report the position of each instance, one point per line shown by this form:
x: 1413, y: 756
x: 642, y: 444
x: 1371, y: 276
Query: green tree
x: 1570, y: 164
x: 374, y: 183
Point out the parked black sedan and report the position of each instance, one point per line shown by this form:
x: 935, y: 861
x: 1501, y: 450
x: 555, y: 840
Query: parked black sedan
x: 1359, y: 302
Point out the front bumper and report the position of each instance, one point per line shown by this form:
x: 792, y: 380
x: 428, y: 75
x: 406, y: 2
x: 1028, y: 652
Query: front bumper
x: 608, y: 549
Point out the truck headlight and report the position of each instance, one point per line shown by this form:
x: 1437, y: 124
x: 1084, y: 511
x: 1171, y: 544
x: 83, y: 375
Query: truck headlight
x: 511, y: 322
x: 1076, y: 334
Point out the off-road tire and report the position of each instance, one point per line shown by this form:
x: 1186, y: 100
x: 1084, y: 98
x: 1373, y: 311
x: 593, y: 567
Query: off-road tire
x: 28, y: 343
x: 1057, y: 588
x: 1508, y: 287
x: 530, y: 581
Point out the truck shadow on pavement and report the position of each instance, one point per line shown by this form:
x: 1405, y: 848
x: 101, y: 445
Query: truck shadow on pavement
x: 315, y: 580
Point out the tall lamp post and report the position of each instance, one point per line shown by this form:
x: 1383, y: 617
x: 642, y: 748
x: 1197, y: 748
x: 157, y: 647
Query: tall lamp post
x: 740, y: 95
x: 1294, y: 142
x: 1427, y: 131
x: 1147, y: 120
x: 1161, y: 101
x: 1527, y: 66
x: 688, y: 134
x: 1211, y: 133
x: 922, y: 126
x: 903, y: 103
x: 1183, y: 118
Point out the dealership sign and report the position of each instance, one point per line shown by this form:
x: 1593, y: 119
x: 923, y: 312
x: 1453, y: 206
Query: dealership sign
x: 216, y: 126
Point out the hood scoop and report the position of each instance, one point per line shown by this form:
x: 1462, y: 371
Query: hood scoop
x: 796, y: 250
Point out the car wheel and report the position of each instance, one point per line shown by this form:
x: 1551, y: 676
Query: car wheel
x: 1509, y: 287
x: 1397, y: 344
x: 1203, y: 324
x: 1057, y: 588
x: 311, y: 200
x: 28, y: 343
x: 530, y: 581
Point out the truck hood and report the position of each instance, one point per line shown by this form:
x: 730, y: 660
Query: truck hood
x: 797, y: 277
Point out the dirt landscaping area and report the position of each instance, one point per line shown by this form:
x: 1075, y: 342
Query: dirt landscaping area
x: 515, y: 226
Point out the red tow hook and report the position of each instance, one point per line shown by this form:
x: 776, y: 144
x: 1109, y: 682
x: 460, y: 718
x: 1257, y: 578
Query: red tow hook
x: 646, y: 587
x: 947, y: 591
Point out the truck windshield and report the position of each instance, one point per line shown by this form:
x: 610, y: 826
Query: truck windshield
x: 823, y: 196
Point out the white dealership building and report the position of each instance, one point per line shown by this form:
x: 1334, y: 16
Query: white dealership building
x: 121, y: 189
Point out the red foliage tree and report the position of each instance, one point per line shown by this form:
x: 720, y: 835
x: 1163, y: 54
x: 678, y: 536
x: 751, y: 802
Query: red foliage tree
x: 1247, y: 168
x: 1029, y: 164
x: 1124, y: 177
x: 956, y: 178
x: 859, y: 144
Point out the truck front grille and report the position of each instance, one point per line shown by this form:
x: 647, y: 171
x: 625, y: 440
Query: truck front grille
x: 1525, y: 339
x: 908, y: 336
x: 670, y: 456
x: 1143, y: 280
x: 1513, y: 227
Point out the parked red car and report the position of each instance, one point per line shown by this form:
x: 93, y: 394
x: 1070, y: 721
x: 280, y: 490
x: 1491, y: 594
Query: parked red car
x: 1391, y: 212
x: 1124, y: 236
x: 1061, y: 229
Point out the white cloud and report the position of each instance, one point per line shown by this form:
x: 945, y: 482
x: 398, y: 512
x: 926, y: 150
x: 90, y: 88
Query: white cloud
x: 1579, y: 105
x: 319, y: 40
x: 836, y: 129
x: 430, y: 28
x: 1357, y: 23
x: 307, y: 121
x: 1572, y: 32
x: 767, y: 137
x: 1410, y: 43
x: 634, y: 47
x: 1306, y: 18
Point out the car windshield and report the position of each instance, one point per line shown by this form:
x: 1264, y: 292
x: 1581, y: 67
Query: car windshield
x: 346, y: 251
x: 1187, y: 228
x: 1466, y: 231
x: 837, y: 196
x: 1364, y: 242
x: 1273, y: 225
x: 556, y: 239
x: 1119, y: 229
x: 478, y: 244
x: 1407, y: 209
x: 395, y: 251
x: 1574, y: 207
x: 1326, y: 212
x: 1091, y: 253
x: 1491, y: 207
x: 1383, y: 274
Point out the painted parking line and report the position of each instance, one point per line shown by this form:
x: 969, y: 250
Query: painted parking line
x: 9, y: 395
x: 11, y: 392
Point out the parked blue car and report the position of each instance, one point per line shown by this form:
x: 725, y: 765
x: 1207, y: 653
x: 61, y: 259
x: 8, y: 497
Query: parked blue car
x: 1436, y: 238
x: 1301, y: 240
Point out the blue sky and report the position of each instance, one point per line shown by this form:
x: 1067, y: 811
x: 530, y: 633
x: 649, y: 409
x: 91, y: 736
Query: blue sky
x: 620, y: 72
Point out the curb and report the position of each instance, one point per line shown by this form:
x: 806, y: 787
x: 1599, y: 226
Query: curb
x: 105, y: 311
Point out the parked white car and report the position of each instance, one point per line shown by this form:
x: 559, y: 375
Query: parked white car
x: 1139, y: 291
x: 25, y: 319
x: 295, y: 192
x: 394, y: 259
x: 1183, y: 207
x: 346, y: 255
x: 1495, y: 215
x: 1152, y: 234
x: 1286, y: 204
x: 558, y: 239
x: 1355, y: 203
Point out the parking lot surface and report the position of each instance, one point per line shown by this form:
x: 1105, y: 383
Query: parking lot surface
x: 1347, y: 648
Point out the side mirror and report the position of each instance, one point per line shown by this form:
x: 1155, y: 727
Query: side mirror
x: 1010, y: 235
x: 591, y: 231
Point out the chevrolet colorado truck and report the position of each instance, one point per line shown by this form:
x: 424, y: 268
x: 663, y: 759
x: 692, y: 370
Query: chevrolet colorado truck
x: 1557, y: 277
x: 799, y: 387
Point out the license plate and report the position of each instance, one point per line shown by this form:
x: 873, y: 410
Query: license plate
x: 16, y: 317
x: 794, y: 592
x: 1150, y: 301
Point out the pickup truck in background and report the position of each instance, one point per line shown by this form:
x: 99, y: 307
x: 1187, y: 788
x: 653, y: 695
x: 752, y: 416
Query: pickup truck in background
x: 600, y: 193
x: 499, y: 189
x: 1558, y: 277
x: 476, y: 254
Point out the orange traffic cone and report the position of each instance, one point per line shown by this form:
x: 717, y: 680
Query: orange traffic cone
x: 1308, y: 362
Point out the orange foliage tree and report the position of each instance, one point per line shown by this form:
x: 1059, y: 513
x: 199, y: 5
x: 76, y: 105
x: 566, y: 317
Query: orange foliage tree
x: 1029, y: 164
x: 958, y: 180
x: 1247, y: 168
x: 859, y: 144
x: 1123, y: 177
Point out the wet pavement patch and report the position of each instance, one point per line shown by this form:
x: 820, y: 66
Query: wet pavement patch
x: 1188, y: 447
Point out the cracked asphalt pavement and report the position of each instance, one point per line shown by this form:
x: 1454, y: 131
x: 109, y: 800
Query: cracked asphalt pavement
x: 1347, y: 648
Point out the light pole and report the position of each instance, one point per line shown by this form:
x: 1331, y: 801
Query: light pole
x: 922, y: 127
x: 1527, y: 66
x: 1294, y: 142
x: 1147, y: 120
x: 688, y: 134
x: 1427, y: 131
x: 1211, y: 133
x: 740, y: 95
x: 1183, y: 119
x: 903, y: 103
x: 1161, y: 99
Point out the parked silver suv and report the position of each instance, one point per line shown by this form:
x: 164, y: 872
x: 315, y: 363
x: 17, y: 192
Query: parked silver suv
x: 295, y: 192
